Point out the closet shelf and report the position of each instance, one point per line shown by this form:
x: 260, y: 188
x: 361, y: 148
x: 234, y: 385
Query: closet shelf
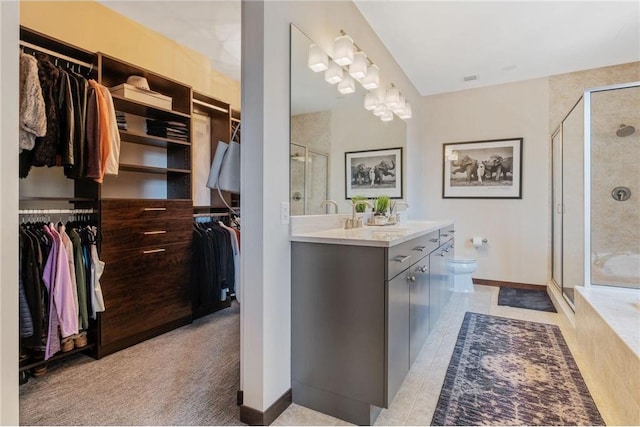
x: 153, y: 169
x: 144, y: 139
x: 146, y: 110
x: 28, y: 364
x: 58, y: 199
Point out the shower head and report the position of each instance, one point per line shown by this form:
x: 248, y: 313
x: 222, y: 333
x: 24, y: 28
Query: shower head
x: 625, y: 130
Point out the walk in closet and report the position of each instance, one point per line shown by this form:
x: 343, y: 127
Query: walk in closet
x: 143, y: 209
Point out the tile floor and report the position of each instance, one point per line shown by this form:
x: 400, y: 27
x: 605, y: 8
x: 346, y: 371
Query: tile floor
x: 415, y: 402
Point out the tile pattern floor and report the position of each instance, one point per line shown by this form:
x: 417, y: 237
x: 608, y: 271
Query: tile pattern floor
x: 417, y: 398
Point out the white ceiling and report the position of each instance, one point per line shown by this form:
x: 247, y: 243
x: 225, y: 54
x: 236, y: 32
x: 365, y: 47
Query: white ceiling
x: 437, y: 43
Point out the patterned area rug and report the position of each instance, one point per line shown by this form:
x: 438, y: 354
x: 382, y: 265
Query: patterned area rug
x: 525, y: 298
x: 513, y: 372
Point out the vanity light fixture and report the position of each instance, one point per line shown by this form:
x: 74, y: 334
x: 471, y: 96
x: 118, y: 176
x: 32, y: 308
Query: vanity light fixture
x: 372, y: 79
x: 406, y: 113
x: 387, y: 117
x: 400, y: 105
x: 370, y: 101
x: 380, y: 110
x: 392, y: 98
x: 358, y: 68
x: 347, y: 85
x: 343, y: 50
x: 318, y: 60
x: 334, y: 74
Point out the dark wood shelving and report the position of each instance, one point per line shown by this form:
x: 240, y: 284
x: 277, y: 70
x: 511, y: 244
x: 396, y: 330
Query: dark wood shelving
x: 28, y: 364
x: 153, y: 169
x: 58, y: 199
x: 147, y: 110
x: 154, y: 141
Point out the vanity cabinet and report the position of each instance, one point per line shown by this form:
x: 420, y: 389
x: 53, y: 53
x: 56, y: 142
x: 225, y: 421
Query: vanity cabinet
x: 360, y: 315
x: 441, y: 282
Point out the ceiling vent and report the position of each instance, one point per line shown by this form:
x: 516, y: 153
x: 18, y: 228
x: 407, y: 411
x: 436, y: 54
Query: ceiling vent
x: 470, y: 78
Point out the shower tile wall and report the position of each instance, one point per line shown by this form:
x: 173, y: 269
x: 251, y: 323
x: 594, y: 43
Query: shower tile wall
x: 312, y: 131
x: 615, y: 161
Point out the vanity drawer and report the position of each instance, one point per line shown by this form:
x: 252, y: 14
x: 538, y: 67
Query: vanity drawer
x: 403, y: 255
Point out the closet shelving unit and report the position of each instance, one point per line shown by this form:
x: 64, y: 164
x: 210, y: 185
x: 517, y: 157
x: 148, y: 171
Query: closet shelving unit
x: 84, y: 194
x: 146, y: 235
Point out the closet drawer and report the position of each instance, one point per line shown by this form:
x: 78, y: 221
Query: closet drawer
x: 118, y: 210
x: 133, y: 234
x: 144, y: 289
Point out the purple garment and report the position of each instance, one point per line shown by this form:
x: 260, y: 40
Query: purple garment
x: 66, y: 301
x: 48, y: 277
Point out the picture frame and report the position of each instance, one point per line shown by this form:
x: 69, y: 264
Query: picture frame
x: 489, y: 169
x: 374, y: 173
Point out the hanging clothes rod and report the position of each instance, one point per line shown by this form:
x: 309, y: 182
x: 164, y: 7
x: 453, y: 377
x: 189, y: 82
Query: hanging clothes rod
x: 210, y: 215
x: 211, y: 106
x: 56, y: 54
x: 54, y: 211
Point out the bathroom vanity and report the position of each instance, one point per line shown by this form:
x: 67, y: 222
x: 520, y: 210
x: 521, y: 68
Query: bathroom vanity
x: 363, y: 304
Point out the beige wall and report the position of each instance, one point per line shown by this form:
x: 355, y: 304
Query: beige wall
x: 518, y: 231
x: 94, y: 27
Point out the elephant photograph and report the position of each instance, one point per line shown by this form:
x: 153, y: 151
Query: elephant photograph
x: 482, y: 168
x: 373, y: 172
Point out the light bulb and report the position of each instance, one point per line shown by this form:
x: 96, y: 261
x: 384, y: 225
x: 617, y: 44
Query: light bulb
x: 372, y: 79
x: 380, y: 110
x: 347, y: 85
x: 370, y: 101
x: 318, y: 60
x: 387, y: 117
x: 334, y: 74
x: 343, y: 50
x: 392, y: 98
x: 406, y: 113
x: 358, y: 68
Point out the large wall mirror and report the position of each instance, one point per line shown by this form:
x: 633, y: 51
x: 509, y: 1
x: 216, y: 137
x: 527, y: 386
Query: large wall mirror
x: 326, y: 124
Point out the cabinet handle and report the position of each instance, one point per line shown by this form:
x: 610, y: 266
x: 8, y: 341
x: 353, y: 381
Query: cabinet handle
x: 422, y: 269
x: 401, y: 258
x: 146, y: 233
x: 447, y: 250
x: 452, y: 231
x: 419, y: 248
x: 153, y: 251
x: 434, y: 240
x: 442, y: 253
x: 411, y: 278
x: 444, y: 235
x: 154, y: 209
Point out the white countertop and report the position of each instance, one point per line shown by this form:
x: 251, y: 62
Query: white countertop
x: 381, y: 236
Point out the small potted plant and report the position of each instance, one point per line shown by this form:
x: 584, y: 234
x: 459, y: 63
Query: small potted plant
x: 380, y: 210
x: 361, y: 207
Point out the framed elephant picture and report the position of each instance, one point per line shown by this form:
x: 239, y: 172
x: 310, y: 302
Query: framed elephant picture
x: 489, y: 169
x: 374, y: 173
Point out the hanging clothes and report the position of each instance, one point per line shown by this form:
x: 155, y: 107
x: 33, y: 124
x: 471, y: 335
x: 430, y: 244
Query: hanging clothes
x: 59, y: 293
x: 235, y: 248
x: 33, y: 120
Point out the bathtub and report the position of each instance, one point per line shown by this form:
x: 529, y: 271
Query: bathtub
x: 616, y: 269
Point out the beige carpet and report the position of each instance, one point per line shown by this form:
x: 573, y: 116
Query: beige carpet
x: 188, y: 376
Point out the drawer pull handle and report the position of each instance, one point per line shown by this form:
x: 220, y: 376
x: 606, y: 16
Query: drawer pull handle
x: 153, y: 251
x: 419, y: 248
x: 444, y: 235
x: 154, y: 209
x: 401, y: 258
x: 434, y: 240
x: 146, y: 233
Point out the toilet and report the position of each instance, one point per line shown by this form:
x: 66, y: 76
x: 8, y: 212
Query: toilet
x: 461, y: 270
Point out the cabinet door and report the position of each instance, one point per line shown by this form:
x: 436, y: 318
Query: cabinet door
x: 419, y: 307
x: 397, y: 334
x: 446, y: 277
x: 437, y: 273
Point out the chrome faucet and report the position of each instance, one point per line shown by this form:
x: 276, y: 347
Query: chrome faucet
x: 329, y: 202
x: 394, y: 205
x: 354, y: 221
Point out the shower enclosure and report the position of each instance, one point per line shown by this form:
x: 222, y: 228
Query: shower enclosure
x: 596, y: 191
x: 309, y: 177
